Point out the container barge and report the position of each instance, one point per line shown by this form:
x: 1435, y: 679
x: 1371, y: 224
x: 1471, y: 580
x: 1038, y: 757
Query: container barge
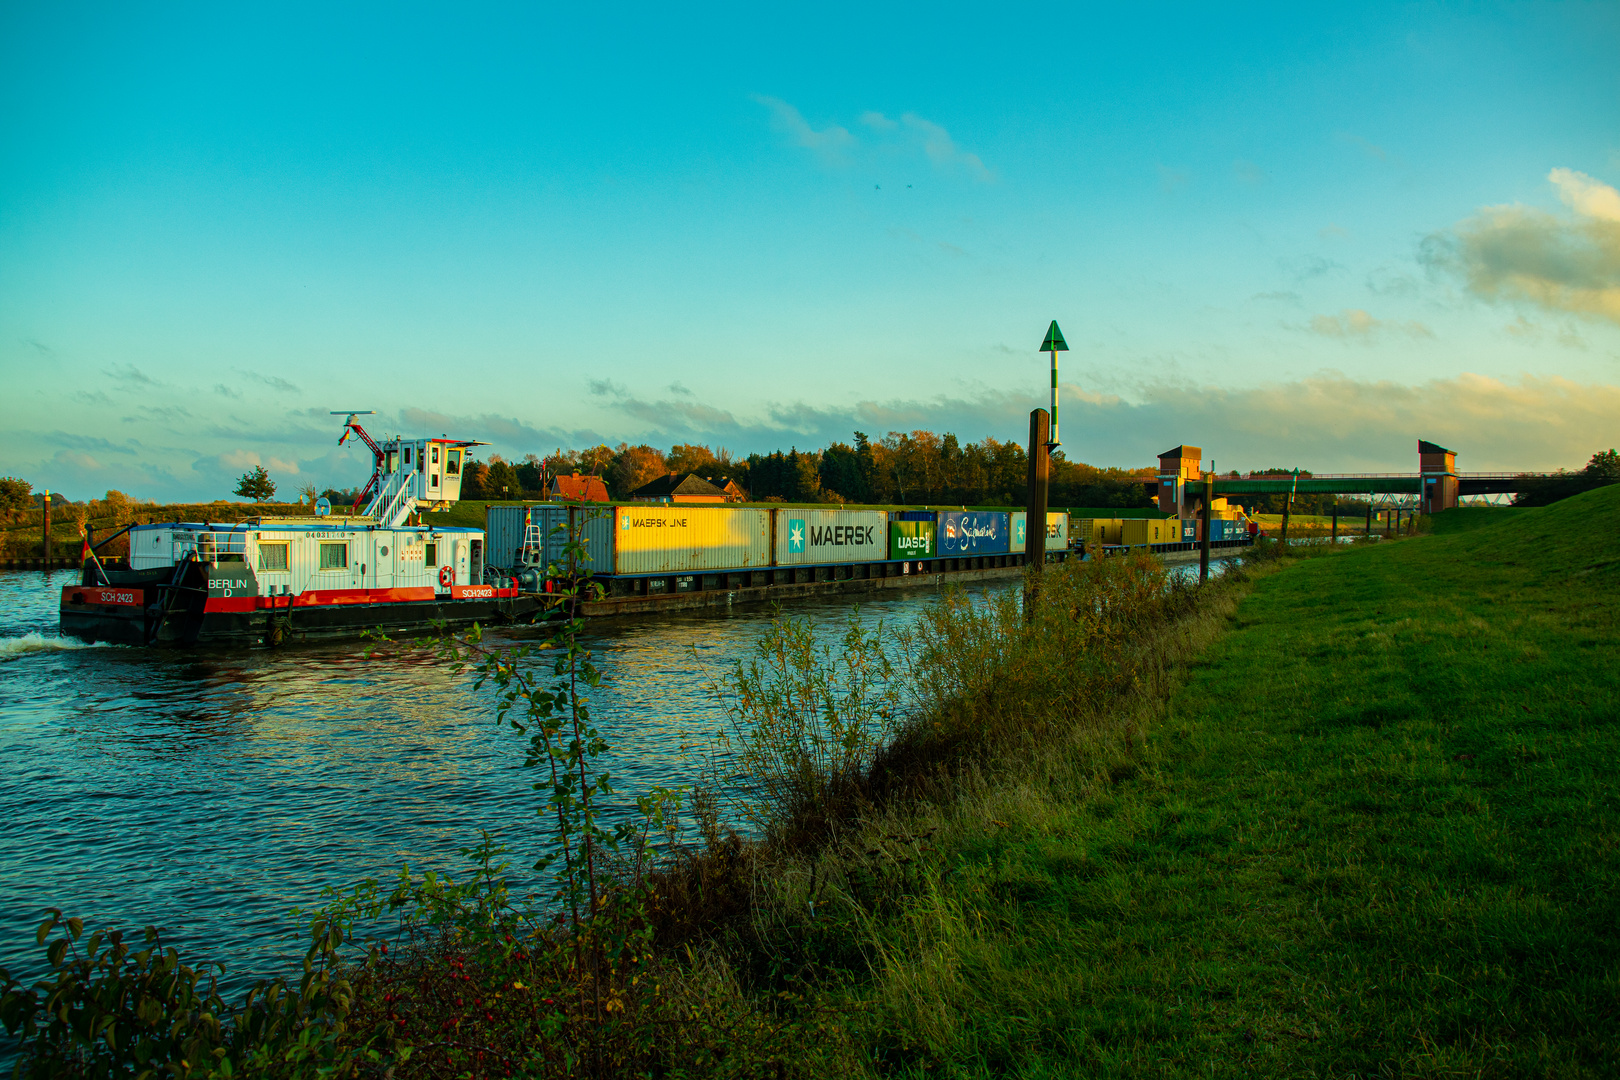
x: 279, y: 579
x: 287, y: 579
x: 669, y: 558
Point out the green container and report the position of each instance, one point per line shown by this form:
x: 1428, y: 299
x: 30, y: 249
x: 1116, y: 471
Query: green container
x: 911, y: 539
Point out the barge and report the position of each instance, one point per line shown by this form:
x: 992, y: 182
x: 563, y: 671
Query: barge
x: 269, y: 580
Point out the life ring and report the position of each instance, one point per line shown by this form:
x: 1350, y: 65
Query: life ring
x: 446, y: 576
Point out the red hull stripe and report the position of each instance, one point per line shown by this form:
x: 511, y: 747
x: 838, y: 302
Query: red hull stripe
x: 96, y: 594
x: 330, y: 597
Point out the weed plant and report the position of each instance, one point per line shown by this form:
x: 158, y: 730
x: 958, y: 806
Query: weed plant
x: 912, y: 792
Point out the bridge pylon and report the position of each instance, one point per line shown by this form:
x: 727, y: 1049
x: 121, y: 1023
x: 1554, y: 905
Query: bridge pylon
x: 1438, y: 467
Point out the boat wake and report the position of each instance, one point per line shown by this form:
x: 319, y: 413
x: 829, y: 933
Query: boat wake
x: 13, y: 647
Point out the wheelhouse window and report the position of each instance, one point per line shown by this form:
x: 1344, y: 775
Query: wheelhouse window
x: 272, y: 556
x: 452, y: 463
x: 407, y: 455
x: 334, y: 556
x: 430, y: 554
x: 435, y: 455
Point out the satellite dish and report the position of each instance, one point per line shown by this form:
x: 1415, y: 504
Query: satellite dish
x: 323, y: 506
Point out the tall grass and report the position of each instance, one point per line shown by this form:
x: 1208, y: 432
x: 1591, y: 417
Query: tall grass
x: 862, y: 761
x: 871, y: 756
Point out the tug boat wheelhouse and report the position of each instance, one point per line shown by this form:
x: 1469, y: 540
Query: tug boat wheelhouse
x: 279, y: 579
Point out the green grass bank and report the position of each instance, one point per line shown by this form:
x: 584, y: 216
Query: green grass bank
x: 1374, y: 833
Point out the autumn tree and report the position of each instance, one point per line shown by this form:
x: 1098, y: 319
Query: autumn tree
x: 530, y: 473
x: 118, y: 505
x: 15, y: 494
x: 472, y: 479
x: 255, y: 485
x: 501, y: 480
x: 689, y: 457
x: 632, y: 467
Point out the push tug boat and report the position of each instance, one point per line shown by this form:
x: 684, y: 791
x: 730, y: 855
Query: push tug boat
x: 279, y: 579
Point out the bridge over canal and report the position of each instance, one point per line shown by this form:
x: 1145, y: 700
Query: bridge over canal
x: 1437, y: 485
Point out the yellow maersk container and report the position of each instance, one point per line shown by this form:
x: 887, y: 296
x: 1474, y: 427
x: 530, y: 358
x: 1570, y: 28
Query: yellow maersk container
x: 684, y: 539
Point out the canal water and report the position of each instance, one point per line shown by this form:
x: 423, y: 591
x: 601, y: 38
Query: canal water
x: 209, y: 792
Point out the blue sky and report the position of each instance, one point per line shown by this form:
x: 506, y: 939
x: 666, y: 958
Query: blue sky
x: 1289, y: 236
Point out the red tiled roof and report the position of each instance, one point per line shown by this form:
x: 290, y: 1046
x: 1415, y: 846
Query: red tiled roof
x: 577, y: 488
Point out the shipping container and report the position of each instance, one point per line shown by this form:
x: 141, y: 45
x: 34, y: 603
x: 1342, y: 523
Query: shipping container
x: 973, y: 532
x: 820, y: 537
x: 544, y: 528
x: 682, y: 539
x: 1102, y: 531
x: 1136, y: 532
x: 912, y: 539
x: 1057, y: 530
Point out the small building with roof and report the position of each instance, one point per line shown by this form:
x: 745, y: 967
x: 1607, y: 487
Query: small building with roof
x: 577, y: 488
x: 679, y: 488
x: 734, y: 491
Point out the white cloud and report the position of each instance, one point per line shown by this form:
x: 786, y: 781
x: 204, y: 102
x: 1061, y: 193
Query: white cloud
x: 1372, y: 150
x: 830, y: 142
x: 1586, y: 196
x: 1357, y: 325
x: 1330, y: 423
x: 835, y: 142
x: 1514, y: 254
x: 74, y: 459
x: 1248, y: 172
x: 942, y: 149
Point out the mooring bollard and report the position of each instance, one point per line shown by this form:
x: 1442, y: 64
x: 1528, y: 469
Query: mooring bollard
x: 1040, y: 472
x: 1203, y: 540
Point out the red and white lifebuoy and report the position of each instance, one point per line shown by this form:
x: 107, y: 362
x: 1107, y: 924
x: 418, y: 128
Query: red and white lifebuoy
x: 446, y: 576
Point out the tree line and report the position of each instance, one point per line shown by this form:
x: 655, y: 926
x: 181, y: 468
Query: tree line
x: 918, y: 467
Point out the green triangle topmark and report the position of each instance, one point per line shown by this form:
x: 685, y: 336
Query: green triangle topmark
x: 1054, y: 340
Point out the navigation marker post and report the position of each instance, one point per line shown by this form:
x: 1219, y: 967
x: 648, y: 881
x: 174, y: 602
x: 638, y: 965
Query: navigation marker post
x: 1054, y: 344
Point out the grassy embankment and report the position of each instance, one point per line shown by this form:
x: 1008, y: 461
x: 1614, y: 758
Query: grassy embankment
x: 1322, y: 524
x: 1374, y: 834
x: 20, y: 535
x: 1371, y: 832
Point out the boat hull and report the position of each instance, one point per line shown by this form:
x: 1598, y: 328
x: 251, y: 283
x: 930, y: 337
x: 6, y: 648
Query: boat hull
x: 131, y: 616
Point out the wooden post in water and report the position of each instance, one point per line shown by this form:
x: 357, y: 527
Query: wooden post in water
x: 1203, y: 532
x: 1040, y: 475
x: 1335, y: 523
x: 1288, y: 509
x: 45, y: 531
x: 1369, y: 515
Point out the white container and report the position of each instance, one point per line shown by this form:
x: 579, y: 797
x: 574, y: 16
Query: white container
x: 1057, y: 530
x: 823, y: 537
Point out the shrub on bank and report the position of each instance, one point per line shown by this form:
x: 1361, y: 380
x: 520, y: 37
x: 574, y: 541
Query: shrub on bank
x: 651, y: 955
